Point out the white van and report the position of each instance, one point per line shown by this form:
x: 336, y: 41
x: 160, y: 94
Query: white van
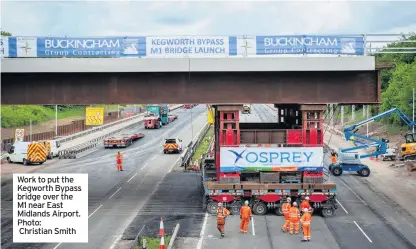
x: 19, y: 153
x: 54, y: 148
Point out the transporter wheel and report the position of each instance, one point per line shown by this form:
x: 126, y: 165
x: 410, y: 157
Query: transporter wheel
x: 212, y: 207
x: 365, y: 171
x: 41, y: 163
x: 328, y: 212
x: 25, y: 162
x: 235, y: 208
x: 260, y: 208
x: 279, y: 211
x: 9, y: 160
x: 336, y: 171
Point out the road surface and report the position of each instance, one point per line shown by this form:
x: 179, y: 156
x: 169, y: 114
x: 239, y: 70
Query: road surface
x: 115, y: 198
x: 355, y: 225
x: 122, y: 204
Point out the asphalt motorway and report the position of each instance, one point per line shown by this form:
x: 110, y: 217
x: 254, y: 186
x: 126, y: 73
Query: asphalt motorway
x: 116, y: 197
x: 356, y: 224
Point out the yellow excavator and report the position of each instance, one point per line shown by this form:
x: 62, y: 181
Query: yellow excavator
x: 408, y: 149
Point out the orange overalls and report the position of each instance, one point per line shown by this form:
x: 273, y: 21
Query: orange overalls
x: 294, y: 220
x: 306, y: 225
x: 334, y: 159
x: 222, y: 213
x: 305, y: 204
x: 245, y: 216
x: 285, y: 209
x: 119, y: 158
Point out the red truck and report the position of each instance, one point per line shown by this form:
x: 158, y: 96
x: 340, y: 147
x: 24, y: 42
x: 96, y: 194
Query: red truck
x: 264, y: 163
x: 122, y: 141
x: 189, y: 106
x: 152, y: 121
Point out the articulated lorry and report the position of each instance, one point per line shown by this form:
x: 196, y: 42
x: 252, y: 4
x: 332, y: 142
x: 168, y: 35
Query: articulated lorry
x: 265, y: 163
x: 161, y: 110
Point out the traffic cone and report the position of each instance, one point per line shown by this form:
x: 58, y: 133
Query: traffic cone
x: 161, y: 229
x: 162, y: 243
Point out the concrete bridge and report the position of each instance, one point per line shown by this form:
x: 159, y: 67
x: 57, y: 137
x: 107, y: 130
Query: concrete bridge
x: 284, y: 80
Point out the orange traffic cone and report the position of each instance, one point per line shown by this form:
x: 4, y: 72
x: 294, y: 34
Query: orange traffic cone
x: 162, y: 243
x: 161, y: 229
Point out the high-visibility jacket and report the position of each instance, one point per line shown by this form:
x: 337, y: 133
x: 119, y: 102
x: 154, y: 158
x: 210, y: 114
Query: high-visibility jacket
x: 285, y: 208
x: 245, y: 212
x: 294, y: 214
x: 306, y: 219
x: 119, y: 158
x: 334, y: 159
x: 305, y: 204
x: 222, y: 213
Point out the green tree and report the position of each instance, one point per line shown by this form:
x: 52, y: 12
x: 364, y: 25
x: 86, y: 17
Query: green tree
x: 5, y: 33
x: 399, y: 90
x: 406, y: 41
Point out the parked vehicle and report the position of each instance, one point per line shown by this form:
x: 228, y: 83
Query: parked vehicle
x: 27, y: 153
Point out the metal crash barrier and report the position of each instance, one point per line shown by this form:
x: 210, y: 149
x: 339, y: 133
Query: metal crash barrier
x: 192, y: 146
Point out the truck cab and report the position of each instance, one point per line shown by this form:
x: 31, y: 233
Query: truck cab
x: 246, y: 108
x: 152, y: 121
x: 172, y: 145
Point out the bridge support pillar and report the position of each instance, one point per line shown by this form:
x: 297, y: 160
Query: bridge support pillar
x: 312, y: 125
x: 227, y: 134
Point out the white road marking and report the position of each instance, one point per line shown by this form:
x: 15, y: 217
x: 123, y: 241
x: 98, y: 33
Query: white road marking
x: 362, y: 231
x: 94, y: 211
x: 141, y: 229
x: 114, y: 193
x: 57, y: 245
x: 201, y: 235
x: 115, y: 242
x: 88, y: 218
x: 252, y: 225
x: 342, y: 206
x: 144, y: 166
x: 132, y: 177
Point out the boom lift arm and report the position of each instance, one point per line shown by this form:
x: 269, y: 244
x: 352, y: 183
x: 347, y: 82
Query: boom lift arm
x: 382, y: 145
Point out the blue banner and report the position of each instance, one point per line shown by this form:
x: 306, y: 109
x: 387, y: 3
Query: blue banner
x: 180, y: 46
x: 304, y: 44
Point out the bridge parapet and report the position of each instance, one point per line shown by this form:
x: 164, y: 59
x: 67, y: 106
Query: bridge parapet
x: 205, y: 46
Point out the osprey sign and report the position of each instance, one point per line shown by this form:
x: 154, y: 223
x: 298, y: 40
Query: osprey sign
x: 234, y: 159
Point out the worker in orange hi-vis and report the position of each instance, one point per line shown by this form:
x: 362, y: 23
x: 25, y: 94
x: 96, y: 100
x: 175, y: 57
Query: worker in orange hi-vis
x: 294, y: 218
x: 306, y: 225
x: 245, y: 216
x: 334, y: 157
x: 305, y: 204
x: 285, y: 209
x: 119, y: 158
x: 222, y: 214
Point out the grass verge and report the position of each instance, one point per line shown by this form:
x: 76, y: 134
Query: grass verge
x: 20, y: 115
x: 203, y: 146
x: 154, y: 243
